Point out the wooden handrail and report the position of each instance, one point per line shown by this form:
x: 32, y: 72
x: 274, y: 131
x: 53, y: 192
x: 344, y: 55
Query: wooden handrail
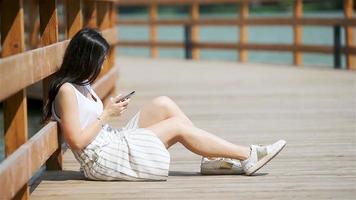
x: 20, y: 166
x: 297, y: 21
x: 323, y: 49
x: 183, y: 2
x: 256, y: 21
x: 40, y: 63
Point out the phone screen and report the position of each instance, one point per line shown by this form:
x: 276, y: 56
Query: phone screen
x: 126, y: 96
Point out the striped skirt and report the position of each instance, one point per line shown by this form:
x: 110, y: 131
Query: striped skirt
x: 129, y: 153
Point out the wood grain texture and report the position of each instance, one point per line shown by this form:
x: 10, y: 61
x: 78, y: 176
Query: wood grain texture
x: 349, y: 11
x: 195, y: 34
x: 153, y: 16
x: 313, y: 109
x: 74, y: 17
x: 243, y: 30
x: 89, y: 13
x: 20, y: 166
x: 298, y: 32
x: 323, y: 49
x: 40, y: 63
x: 49, y: 35
x: 15, y: 106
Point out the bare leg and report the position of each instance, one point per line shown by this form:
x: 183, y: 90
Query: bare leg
x: 173, y: 130
x: 161, y: 108
x: 166, y: 119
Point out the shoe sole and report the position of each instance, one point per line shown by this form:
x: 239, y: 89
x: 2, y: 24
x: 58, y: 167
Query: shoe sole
x: 219, y: 172
x: 265, y: 160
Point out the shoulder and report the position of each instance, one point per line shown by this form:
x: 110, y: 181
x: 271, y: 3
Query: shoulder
x: 66, y: 93
x: 66, y: 88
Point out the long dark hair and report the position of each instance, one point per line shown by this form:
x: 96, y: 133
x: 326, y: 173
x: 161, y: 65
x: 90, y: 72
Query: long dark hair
x: 81, y: 64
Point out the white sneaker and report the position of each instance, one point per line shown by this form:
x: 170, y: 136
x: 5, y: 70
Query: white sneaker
x: 217, y: 166
x: 261, y: 155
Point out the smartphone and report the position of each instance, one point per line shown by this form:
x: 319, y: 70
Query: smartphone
x: 126, y: 97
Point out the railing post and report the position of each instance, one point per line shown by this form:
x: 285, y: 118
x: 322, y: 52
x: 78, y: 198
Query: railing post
x: 350, y: 58
x: 15, y: 107
x: 103, y: 22
x: 243, y: 29
x: 337, y: 47
x: 90, y: 13
x: 33, y: 39
x: 49, y: 35
x: 194, y: 17
x: 112, y: 21
x: 297, y: 29
x: 188, y: 41
x: 153, y: 14
x: 74, y: 17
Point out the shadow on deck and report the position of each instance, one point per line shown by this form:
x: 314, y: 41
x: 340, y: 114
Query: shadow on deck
x: 313, y: 109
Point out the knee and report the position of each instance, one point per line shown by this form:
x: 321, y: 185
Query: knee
x: 163, y: 102
x: 178, y: 124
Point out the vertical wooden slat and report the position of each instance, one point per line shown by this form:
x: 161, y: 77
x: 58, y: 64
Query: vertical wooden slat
x: 112, y: 52
x: 112, y: 18
x: 297, y: 29
x: 153, y: 15
x: 74, y: 17
x: 243, y: 29
x: 103, y: 22
x: 348, y: 11
x: 90, y: 11
x: 103, y: 15
x: 32, y: 20
x: 194, y: 15
x: 15, y: 107
x: 49, y: 35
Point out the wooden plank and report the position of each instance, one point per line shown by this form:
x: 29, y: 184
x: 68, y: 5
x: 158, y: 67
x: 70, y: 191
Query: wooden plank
x: 48, y: 22
x: 49, y: 35
x: 15, y: 107
x: 256, y: 21
x: 89, y: 13
x: 112, y: 18
x: 33, y: 25
x: 40, y: 63
x: 243, y: 29
x: 103, y: 22
x: 323, y: 49
x: 153, y: 16
x: 103, y: 15
x: 349, y: 36
x: 194, y: 15
x: 74, y: 17
x: 297, y: 31
x: 20, y: 166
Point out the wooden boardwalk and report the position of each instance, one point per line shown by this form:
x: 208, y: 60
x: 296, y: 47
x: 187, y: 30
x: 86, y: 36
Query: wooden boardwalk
x: 313, y: 109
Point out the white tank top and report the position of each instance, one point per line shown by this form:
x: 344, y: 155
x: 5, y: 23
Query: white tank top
x: 88, y: 109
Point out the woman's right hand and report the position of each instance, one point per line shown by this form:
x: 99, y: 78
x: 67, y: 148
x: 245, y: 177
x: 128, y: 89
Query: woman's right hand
x: 114, y: 108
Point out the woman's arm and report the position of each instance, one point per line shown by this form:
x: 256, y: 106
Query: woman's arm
x: 67, y: 108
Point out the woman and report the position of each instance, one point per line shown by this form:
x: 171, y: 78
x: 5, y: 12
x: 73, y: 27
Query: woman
x: 137, y: 151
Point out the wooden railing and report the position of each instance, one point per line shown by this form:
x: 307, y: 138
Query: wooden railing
x: 19, y: 69
x: 192, y: 44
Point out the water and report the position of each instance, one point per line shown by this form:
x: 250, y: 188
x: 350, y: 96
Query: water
x: 260, y: 34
